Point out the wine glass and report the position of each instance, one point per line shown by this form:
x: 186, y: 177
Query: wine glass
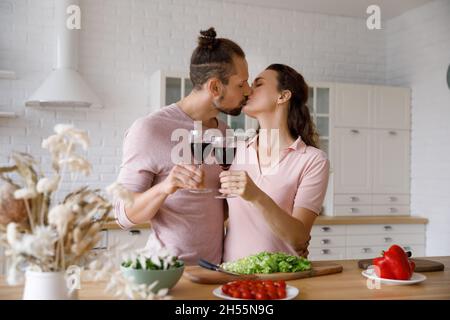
x: 198, y: 146
x: 225, y: 151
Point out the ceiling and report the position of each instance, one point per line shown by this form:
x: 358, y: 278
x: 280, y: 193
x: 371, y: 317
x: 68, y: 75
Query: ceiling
x: 349, y: 8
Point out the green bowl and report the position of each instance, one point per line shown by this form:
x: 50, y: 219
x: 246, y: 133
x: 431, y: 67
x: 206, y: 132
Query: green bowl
x: 166, y: 278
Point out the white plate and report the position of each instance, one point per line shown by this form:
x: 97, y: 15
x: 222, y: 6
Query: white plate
x: 291, y: 293
x: 416, y: 278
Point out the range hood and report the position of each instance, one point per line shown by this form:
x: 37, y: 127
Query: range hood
x: 65, y: 87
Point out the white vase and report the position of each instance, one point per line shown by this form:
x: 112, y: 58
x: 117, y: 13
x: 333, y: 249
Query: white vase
x: 47, y: 286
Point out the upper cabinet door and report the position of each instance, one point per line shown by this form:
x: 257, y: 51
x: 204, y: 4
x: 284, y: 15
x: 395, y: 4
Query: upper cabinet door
x: 353, y: 104
x: 391, y: 161
x: 392, y: 108
x: 353, y: 161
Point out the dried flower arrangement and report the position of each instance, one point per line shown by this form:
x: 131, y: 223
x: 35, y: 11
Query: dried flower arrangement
x: 50, y: 238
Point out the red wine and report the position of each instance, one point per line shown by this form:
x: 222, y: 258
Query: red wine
x: 198, y: 151
x: 225, y: 156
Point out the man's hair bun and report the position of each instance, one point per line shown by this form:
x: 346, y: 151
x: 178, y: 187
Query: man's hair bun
x: 207, y: 38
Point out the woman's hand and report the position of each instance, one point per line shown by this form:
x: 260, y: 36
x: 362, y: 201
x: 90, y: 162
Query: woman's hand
x: 239, y: 183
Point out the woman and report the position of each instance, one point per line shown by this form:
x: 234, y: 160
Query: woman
x: 280, y: 176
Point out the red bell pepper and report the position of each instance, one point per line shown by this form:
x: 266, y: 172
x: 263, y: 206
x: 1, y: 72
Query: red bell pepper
x: 394, y: 264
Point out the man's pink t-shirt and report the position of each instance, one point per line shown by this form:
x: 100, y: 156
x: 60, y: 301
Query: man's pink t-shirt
x: 190, y: 225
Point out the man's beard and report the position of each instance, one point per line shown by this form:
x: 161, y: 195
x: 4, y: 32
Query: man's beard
x: 232, y: 112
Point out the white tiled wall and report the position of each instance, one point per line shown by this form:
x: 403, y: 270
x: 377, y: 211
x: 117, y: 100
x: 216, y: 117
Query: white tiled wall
x: 418, y: 55
x: 125, y: 41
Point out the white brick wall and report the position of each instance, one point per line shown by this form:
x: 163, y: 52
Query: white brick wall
x: 124, y: 41
x: 418, y: 54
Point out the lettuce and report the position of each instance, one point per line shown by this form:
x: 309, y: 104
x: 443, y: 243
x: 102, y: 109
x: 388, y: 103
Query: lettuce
x: 266, y: 262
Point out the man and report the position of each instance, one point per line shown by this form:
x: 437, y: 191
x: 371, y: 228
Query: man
x: 189, y: 225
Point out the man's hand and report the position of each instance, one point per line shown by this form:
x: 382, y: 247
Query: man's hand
x: 182, y: 176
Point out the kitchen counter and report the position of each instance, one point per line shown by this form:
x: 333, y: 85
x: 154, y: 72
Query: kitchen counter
x: 323, y: 220
x: 349, y: 284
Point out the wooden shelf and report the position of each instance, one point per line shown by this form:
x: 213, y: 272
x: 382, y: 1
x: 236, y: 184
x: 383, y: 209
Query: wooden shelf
x: 7, y: 74
x: 7, y: 114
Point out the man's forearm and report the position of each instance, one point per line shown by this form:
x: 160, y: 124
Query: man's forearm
x: 146, y: 204
x: 282, y: 224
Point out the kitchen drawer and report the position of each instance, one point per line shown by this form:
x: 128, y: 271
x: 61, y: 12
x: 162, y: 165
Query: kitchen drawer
x: 324, y: 241
x: 394, y: 199
x: 352, y: 210
x: 317, y: 254
x: 391, y: 210
x: 327, y: 230
x: 364, y: 252
x: 370, y: 252
x: 385, y: 240
x: 385, y: 228
x: 352, y: 199
x: 136, y: 238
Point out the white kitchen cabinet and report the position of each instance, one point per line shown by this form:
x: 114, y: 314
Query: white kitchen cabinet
x: 353, y: 105
x: 392, y: 108
x: 359, y: 241
x: 371, y: 150
x: 391, y: 154
x: 367, y: 106
x: 352, y: 161
x: 320, y: 104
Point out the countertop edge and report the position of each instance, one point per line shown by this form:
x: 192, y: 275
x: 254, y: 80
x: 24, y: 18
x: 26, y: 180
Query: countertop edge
x: 321, y: 220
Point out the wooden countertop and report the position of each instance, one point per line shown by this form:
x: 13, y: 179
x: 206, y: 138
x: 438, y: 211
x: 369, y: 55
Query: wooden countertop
x: 349, y: 284
x: 323, y: 220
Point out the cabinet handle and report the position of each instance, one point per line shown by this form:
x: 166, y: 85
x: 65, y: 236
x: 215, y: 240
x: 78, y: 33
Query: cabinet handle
x: 325, y: 241
x: 392, y: 199
x: 366, y: 250
x: 353, y: 199
x: 354, y: 131
x: 325, y: 251
x: 392, y: 210
x: 387, y: 239
x: 134, y: 232
x: 392, y: 133
x: 325, y: 229
x: 353, y: 210
x: 386, y: 228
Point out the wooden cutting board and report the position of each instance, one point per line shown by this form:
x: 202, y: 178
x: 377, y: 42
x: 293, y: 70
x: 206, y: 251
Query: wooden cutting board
x: 422, y: 265
x: 198, y: 274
